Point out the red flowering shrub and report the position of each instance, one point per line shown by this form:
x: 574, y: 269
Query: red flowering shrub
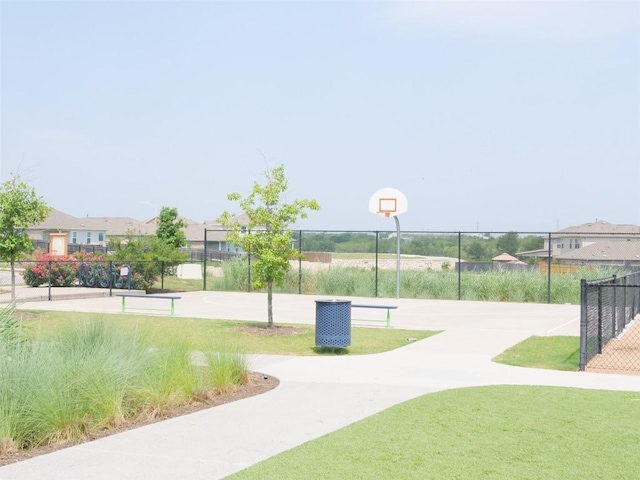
x: 63, y: 271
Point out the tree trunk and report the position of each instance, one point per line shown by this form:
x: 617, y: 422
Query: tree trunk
x: 13, y: 282
x: 270, y: 304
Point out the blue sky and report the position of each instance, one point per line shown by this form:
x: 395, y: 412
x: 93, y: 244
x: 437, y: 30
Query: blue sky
x: 510, y: 115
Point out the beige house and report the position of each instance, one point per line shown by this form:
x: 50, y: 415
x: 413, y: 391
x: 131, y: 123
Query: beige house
x: 86, y: 230
x: 97, y: 231
x: 575, y: 238
x: 607, y: 253
x: 600, y: 243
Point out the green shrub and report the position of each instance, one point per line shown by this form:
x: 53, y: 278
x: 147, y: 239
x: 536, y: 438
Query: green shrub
x: 63, y: 271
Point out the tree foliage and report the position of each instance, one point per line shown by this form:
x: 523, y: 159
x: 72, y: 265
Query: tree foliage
x: 170, y: 228
x: 268, y: 236
x: 20, y: 207
x: 509, y: 243
x: 473, y: 247
x: 148, y: 257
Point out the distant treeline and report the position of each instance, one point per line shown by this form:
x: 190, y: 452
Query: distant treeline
x: 472, y: 247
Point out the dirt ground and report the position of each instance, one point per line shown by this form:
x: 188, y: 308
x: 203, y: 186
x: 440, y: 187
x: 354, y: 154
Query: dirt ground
x: 620, y: 355
x: 406, y: 263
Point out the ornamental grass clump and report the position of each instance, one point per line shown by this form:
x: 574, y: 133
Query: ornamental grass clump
x: 228, y: 368
x: 91, y: 376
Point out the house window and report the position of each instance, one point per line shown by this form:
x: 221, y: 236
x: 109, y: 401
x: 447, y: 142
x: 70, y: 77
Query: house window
x: 577, y: 244
x: 88, y: 238
x: 74, y: 237
x: 101, y: 236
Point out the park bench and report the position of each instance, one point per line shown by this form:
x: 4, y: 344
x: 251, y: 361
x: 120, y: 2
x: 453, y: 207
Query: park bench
x: 387, y: 320
x: 124, y: 296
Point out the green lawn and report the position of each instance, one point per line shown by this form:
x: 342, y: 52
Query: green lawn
x: 497, y: 432
x: 555, y: 353
x: 198, y: 333
x: 501, y: 432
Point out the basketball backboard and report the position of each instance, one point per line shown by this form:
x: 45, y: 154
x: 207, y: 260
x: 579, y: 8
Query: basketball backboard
x: 388, y: 202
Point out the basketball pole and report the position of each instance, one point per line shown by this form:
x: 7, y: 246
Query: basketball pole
x: 389, y: 202
x: 395, y: 217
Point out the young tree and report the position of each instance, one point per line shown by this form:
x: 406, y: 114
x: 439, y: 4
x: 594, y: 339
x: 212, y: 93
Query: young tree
x: 20, y: 207
x: 146, y: 255
x: 508, y: 243
x: 268, y: 236
x: 170, y: 228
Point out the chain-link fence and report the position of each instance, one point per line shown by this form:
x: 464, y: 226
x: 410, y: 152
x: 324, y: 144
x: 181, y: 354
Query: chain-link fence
x: 609, y: 328
x: 49, y: 273
x: 538, y: 267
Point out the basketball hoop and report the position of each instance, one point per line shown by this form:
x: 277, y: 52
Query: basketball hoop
x: 388, y: 202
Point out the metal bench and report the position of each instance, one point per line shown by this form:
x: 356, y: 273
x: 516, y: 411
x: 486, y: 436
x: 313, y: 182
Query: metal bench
x: 387, y: 321
x: 155, y: 297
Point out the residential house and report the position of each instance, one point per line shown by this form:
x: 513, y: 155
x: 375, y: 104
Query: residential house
x: 98, y: 231
x: 85, y: 231
x: 216, y: 235
x: 606, y: 253
x: 599, y: 242
x: 577, y: 237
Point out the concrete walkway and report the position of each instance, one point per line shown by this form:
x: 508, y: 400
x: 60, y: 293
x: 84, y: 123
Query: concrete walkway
x: 316, y: 395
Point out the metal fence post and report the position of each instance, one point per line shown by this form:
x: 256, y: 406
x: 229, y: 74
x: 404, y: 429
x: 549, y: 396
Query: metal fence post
x: 50, y: 266
x: 204, y: 282
x: 614, y: 308
x: 376, y: 273
x: 583, y: 324
x: 249, y: 270
x: 459, y: 265
x: 599, y: 318
x: 300, y: 262
x: 549, y: 271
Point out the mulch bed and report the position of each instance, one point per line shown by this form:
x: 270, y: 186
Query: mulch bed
x: 274, y: 331
x: 257, y: 383
x: 621, y: 355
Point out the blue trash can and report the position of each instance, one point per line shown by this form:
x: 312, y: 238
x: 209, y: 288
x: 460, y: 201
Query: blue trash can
x: 333, y: 323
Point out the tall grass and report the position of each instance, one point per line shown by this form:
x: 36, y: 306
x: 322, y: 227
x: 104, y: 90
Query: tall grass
x: 497, y: 285
x: 92, y: 376
x: 227, y: 368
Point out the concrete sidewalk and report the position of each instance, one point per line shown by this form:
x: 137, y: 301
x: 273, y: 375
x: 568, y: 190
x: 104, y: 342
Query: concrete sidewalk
x: 317, y: 395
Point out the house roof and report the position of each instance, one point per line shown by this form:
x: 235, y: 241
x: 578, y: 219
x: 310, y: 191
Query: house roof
x: 242, y: 219
x: 118, y: 226
x: 188, y: 221
x: 541, y: 252
x: 195, y: 233
x: 505, y: 257
x: 605, y: 250
x: 58, y: 220
x: 600, y: 227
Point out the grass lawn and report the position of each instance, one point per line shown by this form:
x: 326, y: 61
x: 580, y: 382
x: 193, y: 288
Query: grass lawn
x: 175, y: 284
x: 198, y: 333
x: 500, y: 432
x: 555, y: 353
